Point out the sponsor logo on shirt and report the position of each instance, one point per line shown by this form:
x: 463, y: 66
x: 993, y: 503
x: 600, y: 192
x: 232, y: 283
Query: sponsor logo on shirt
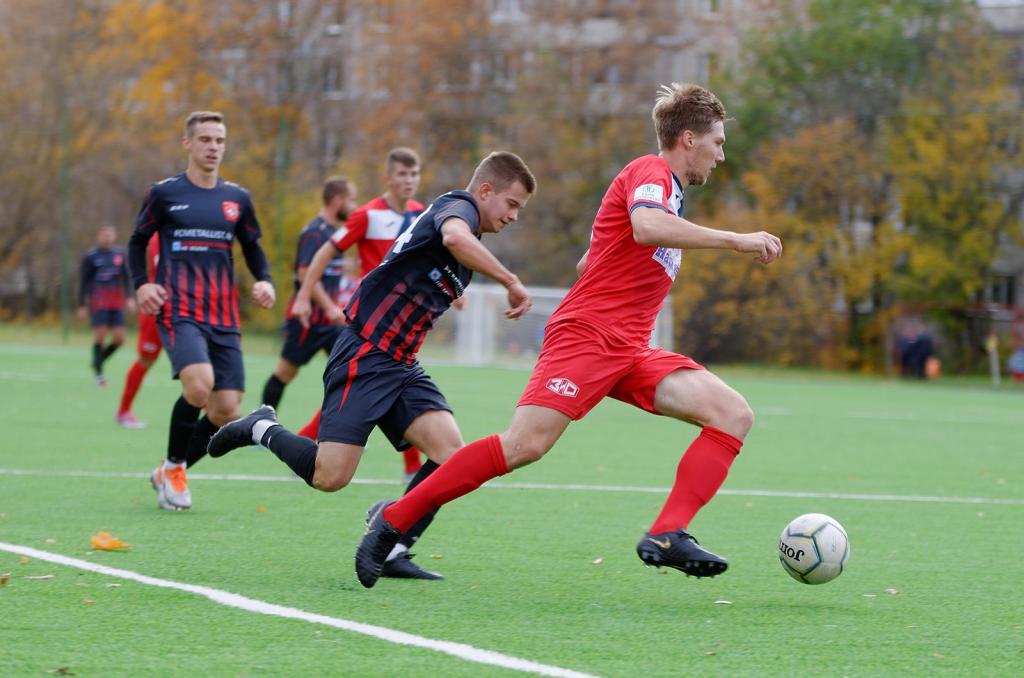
x: 649, y: 192
x: 563, y: 387
x: 670, y: 258
x: 231, y: 210
x: 177, y: 208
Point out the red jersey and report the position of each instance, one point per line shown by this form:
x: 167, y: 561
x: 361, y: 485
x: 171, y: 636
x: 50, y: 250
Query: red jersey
x: 374, y: 227
x: 625, y: 283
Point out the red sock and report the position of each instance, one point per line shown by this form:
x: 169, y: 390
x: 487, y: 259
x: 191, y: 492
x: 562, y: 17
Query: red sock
x: 412, y: 460
x: 312, y: 429
x: 701, y: 472
x: 132, y: 382
x: 460, y: 474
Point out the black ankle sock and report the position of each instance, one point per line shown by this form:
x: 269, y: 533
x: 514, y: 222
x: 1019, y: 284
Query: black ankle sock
x: 97, y: 358
x: 272, y: 391
x: 183, y: 426
x: 297, y: 451
x: 416, y: 531
x: 200, y: 437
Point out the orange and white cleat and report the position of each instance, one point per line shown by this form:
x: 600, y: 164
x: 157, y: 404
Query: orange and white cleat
x: 171, y: 487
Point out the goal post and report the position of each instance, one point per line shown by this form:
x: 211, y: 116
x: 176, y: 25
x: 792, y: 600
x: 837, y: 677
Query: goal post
x: 480, y: 335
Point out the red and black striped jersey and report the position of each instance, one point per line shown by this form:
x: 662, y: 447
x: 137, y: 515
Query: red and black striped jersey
x: 197, y: 227
x: 312, y: 237
x: 397, y: 302
x: 104, y: 279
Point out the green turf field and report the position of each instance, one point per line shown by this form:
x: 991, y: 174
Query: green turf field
x: 928, y: 481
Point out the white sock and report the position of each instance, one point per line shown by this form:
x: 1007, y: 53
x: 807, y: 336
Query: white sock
x: 397, y: 551
x: 260, y: 428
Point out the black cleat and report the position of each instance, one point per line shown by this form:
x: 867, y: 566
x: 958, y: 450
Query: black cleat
x: 376, y: 545
x: 681, y: 551
x: 402, y: 567
x: 238, y: 433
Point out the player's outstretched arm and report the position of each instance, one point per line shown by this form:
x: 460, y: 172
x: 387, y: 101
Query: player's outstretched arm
x: 655, y: 227
x: 470, y: 252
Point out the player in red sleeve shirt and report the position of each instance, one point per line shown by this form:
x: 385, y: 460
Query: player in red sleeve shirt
x: 596, y: 345
x: 372, y: 228
x: 148, y: 349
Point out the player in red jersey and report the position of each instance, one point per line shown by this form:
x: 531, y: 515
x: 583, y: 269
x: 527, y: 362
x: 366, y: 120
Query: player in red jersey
x: 372, y: 228
x: 596, y: 344
x: 148, y: 349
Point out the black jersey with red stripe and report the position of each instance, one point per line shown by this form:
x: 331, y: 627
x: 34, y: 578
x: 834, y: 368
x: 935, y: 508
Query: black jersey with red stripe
x: 397, y: 302
x: 104, y: 279
x: 312, y: 237
x: 197, y: 227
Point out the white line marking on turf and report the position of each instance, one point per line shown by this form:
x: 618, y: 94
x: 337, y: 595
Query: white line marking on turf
x: 459, y: 650
x: 545, y: 486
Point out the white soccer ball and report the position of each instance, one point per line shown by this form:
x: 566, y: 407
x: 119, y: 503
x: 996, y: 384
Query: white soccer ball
x: 814, y: 548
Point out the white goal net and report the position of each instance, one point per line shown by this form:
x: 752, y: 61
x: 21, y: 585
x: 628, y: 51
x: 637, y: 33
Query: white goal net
x: 480, y: 335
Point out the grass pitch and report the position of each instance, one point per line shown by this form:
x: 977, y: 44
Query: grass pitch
x: 928, y: 480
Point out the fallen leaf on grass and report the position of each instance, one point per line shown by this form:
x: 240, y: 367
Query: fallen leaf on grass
x: 938, y: 655
x: 710, y: 654
x: 113, y: 586
x: 104, y: 541
x: 436, y: 556
x: 4, y: 577
x: 723, y: 602
x: 41, y: 576
x: 261, y: 509
x: 62, y: 671
x: 23, y: 560
x: 892, y: 592
x: 597, y: 561
x: 51, y: 540
x: 88, y: 601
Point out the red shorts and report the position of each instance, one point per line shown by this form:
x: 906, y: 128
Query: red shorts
x: 579, y: 365
x: 149, y: 338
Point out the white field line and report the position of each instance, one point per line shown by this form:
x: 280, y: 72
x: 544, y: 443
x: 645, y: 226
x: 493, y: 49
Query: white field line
x: 499, y: 485
x: 459, y: 650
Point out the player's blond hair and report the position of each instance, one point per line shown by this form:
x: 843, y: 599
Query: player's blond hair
x: 501, y: 169
x: 684, y: 106
x: 196, y: 117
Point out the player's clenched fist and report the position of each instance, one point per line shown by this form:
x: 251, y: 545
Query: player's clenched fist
x: 150, y: 298
x: 766, y: 246
x: 519, y: 301
x: 263, y: 294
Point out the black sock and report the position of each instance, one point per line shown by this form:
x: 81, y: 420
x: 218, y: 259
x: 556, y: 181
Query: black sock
x: 297, y: 451
x: 416, y: 531
x: 97, y: 358
x: 108, y: 351
x: 183, y: 425
x: 200, y: 438
x: 272, y: 391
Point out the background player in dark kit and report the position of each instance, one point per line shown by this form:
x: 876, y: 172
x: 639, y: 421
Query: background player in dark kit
x: 102, y: 296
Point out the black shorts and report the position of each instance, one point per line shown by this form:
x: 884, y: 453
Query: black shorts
x: 188, y: 343
x: 107, y: 317
x: 365, y: 387
x: 302, y: 343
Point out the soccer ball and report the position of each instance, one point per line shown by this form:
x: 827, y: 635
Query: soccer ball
x: 814, y: 548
